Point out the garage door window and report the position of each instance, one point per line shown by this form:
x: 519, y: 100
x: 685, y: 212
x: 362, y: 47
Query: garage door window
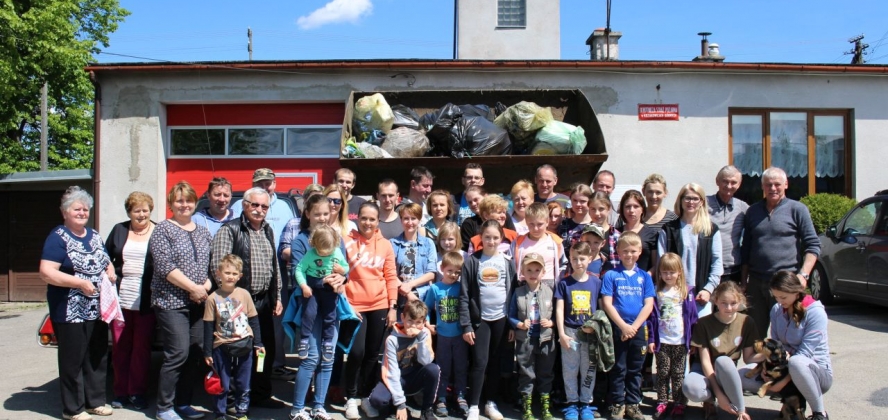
x: 294, y: 141
x: 198, y: 142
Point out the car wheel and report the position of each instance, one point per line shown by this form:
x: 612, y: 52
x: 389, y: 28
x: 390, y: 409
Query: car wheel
x: 819, y: 286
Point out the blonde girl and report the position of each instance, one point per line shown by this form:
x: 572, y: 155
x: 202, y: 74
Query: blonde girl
x: 448, y: 240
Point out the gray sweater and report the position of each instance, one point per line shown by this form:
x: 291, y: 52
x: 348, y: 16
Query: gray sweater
x: 779, y: 240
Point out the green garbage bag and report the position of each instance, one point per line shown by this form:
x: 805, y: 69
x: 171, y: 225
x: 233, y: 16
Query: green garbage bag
x: 522, y: 120
x: 559, y: 138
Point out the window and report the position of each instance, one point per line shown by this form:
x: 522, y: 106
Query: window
x: 862, y: 220
x: 511, y: 13
x: 810, y: 145
x: 293, y: 141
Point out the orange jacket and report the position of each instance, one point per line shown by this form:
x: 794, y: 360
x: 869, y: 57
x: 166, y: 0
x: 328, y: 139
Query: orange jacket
x: 373, y: 276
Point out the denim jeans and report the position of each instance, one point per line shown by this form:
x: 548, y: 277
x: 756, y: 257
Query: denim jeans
x: 309, y: 367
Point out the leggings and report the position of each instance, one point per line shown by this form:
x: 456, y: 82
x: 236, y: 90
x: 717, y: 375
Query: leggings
x: 361, y: 368
x: 811, y: 379
x: 697, y: 388
x: 489, y: 337
x: 671, y: 361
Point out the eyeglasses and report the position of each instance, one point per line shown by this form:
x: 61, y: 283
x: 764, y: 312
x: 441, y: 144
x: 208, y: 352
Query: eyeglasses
x: 336, y: 201
x: 256, y: 205
x: 688, y: 199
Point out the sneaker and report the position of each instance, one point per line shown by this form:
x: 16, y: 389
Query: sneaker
x: 320, y: 414
x: 283, y: 374
x: 138, y: 401
x: 617, y: 411
x: 351, y: 409
x: 818, y: 416
x: 304, y: 414
x: 83, y: 415
x: 329, y: 349
x: 441, y: 408
x: 165, y: 415
x: 189, y: 412
x: 427, y: 415
x: 678, y: 412
x: 633, y: 412
x: 119, y: 402
x: 570, y: 412
x: 368, y: 408
x: 473, y: 413
x: 462, y: 403
x: 492, y: 412
x: 302, y: 350
x: 587, y: 412
x: 660, y: 411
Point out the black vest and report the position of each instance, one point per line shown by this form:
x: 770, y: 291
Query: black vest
x: 704, y: 249
x: 240, y: 238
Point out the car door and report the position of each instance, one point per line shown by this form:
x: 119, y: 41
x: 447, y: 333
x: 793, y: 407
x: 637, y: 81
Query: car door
x: 850, y: 258
x: 876, y: 255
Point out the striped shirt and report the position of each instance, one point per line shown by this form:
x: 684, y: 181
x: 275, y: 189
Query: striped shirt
x: 134, y: 254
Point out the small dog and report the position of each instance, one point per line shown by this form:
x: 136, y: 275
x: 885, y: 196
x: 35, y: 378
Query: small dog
x: 776, y: 368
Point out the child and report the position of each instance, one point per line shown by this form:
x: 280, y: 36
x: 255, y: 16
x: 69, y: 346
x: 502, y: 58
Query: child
x: 628, y: 298
x: 594, y: 236
x: 720, y: 339
x: 538, y: 240
x: 231, y: 333
x: 452, y: 350
x: 576, y: 299
x: 670, y: 324
x: 572, y: 228
x: 487, y: 279
x: 494, y: 207
x: 448, y: 240
x: 600, y: 208
x: 556, y: 216
x: 322, y: 259
x: 407, y: 367
x: 530, y: 314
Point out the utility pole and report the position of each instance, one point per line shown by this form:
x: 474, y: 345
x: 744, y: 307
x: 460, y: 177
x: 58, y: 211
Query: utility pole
x: 44, y: 124
x: 250, y: 42
x: 858, y: 51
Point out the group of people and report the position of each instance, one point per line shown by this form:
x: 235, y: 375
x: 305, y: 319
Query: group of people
x: 564, y: 289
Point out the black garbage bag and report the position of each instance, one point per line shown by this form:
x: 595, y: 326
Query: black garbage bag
x: 437, y: 125
x: 405, y: 117
x: 478, y: 136
x: 499, y: 108
x: 477, y: 111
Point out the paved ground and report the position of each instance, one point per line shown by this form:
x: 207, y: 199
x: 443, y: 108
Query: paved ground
x: 858, y: 338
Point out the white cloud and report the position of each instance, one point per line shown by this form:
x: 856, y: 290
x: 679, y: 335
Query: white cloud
x: 336, y: 11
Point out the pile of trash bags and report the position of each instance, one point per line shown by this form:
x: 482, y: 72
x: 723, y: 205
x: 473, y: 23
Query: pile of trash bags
x: 383, y: 130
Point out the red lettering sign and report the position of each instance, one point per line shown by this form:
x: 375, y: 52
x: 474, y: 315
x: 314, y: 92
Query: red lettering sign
x: 658, y: 112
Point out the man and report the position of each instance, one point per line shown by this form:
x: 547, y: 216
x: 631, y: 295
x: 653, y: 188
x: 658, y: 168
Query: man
x: 387, y: 197
x: 546, y: 179
x: 420, y: 187
x: 472, y: 176
x: 250, y: 237
x: 605, y: 181
x: 345, y: 178
x: 279, y: 213
x: 778, y: 234
x: 728, y: 212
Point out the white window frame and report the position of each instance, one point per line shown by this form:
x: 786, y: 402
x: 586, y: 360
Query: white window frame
x: 169, y: 141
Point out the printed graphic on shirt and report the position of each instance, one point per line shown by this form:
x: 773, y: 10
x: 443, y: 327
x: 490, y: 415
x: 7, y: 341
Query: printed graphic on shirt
x: 448, y: 309
x: 232, y: 319
x: 671, y: 323
x: 534, y: 312
x: 407, y: 357
x: 580, y: 302
x: 407, y: 268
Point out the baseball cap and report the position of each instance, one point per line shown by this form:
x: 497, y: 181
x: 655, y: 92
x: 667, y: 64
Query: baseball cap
x: 595, y: 229
x: 212, y: 383
x: 533, y: 257
x: 263, y: 174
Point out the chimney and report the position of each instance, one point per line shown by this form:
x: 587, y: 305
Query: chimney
x: 708, y: 52
x: 602, y: 46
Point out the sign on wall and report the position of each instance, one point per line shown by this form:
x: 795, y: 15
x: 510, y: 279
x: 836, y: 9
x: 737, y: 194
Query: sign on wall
x: 658, y: 112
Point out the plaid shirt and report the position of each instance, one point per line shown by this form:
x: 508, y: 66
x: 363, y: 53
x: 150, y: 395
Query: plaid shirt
x: 261, y: 258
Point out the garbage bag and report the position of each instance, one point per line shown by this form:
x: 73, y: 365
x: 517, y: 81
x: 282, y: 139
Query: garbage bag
x: 405, y: 117
x: 372, y: 152
x: 438, y: 124
x: 403, y: 142
x: 374, y: 137
x: 522, y: 120
x: 559, y: 138
x: 478, y: 136
x: 372, y: 113
x: 477, y: 111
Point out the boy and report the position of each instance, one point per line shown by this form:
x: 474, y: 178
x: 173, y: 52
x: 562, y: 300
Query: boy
x: 452, y: 351
x: 407, y: 367
x: 231, y: 333
x: 470, y: 226
x: 322, y: 259
x: 594, y: 235
x: 538, y: 240
x: 628, y: 298
x: 493, y: 207
x: 576, y: 299
x: 530, y: 314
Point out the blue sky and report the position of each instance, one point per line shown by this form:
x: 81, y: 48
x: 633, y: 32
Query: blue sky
x: 810, y: 31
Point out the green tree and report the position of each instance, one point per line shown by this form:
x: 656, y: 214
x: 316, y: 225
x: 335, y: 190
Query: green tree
x: 50, y: 41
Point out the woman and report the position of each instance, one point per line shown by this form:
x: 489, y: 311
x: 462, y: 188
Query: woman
x: 415, y: 255
x: 799, y: 322
x: 442, y: 209
x: 697, y: 240
x: 181, y: 251
x: 317, y: 213
x: 631, y: 210
x: 656, y: 215
x: 219, y: 195
x: 338, y: 210
x: 556, y: 216
x: 572, y: 228
x: 127, y: 246
x: 73, y: 264
x: 522, y: 196
x: 372, y: 290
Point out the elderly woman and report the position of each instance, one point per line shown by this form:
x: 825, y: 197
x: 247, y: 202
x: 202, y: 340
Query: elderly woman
x: 214, y: 216
x: 127, y: 246
x: 181, y: 250
x: 72, y: 265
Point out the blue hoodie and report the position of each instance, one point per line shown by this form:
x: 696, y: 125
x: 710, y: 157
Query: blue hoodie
x: 809, y: 338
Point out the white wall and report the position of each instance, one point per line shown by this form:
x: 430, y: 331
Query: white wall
x: 691, y: 149
x: 480, y: 38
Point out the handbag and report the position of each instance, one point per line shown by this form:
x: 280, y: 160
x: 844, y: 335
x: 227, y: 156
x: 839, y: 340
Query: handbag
x: 239, y: 348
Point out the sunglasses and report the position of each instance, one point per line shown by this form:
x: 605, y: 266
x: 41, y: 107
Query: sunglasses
x: 336, y: 201
x: 256, y: 205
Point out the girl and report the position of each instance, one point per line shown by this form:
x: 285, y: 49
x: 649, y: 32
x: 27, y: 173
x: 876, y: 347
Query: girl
x: 488, y: 278
x: 670, y: 324
x: 600, y: 208
x: 656, y: 215
x: 720, y: 339
x: 338, y: 211
x: 799, y: 322
x: 572, y: 228
x: 442, y: 209
x: 448, y: 240
x: 556, y: 216
x: 522, y: 196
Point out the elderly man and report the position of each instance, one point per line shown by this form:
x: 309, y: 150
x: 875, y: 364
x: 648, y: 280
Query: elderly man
x: 778, y: 234
x: 604, y: 182
x: 546, y: 179
x: 251, y: 238
x: 728, y: 213
x: 279, y: 213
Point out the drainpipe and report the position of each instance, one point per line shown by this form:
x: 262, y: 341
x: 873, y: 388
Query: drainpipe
x: 455, y: 29
x: 97, y: 154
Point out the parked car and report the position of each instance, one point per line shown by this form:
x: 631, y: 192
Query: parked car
x: 853, y: 263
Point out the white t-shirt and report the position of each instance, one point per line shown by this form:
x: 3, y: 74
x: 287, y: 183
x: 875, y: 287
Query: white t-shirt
x: 671, y: 320
x: 133, y: 267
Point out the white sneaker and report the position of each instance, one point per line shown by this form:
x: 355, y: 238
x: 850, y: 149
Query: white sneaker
x: 368, y: 408
x: 491, y: 411
x: 473, y: 413
x: 351, y: 409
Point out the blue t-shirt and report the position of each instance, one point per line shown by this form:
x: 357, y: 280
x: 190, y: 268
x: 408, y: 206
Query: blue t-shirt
x: 594, y: 268
x: 444, y: 300
x: 580, y: 299
x: 628, y: 290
